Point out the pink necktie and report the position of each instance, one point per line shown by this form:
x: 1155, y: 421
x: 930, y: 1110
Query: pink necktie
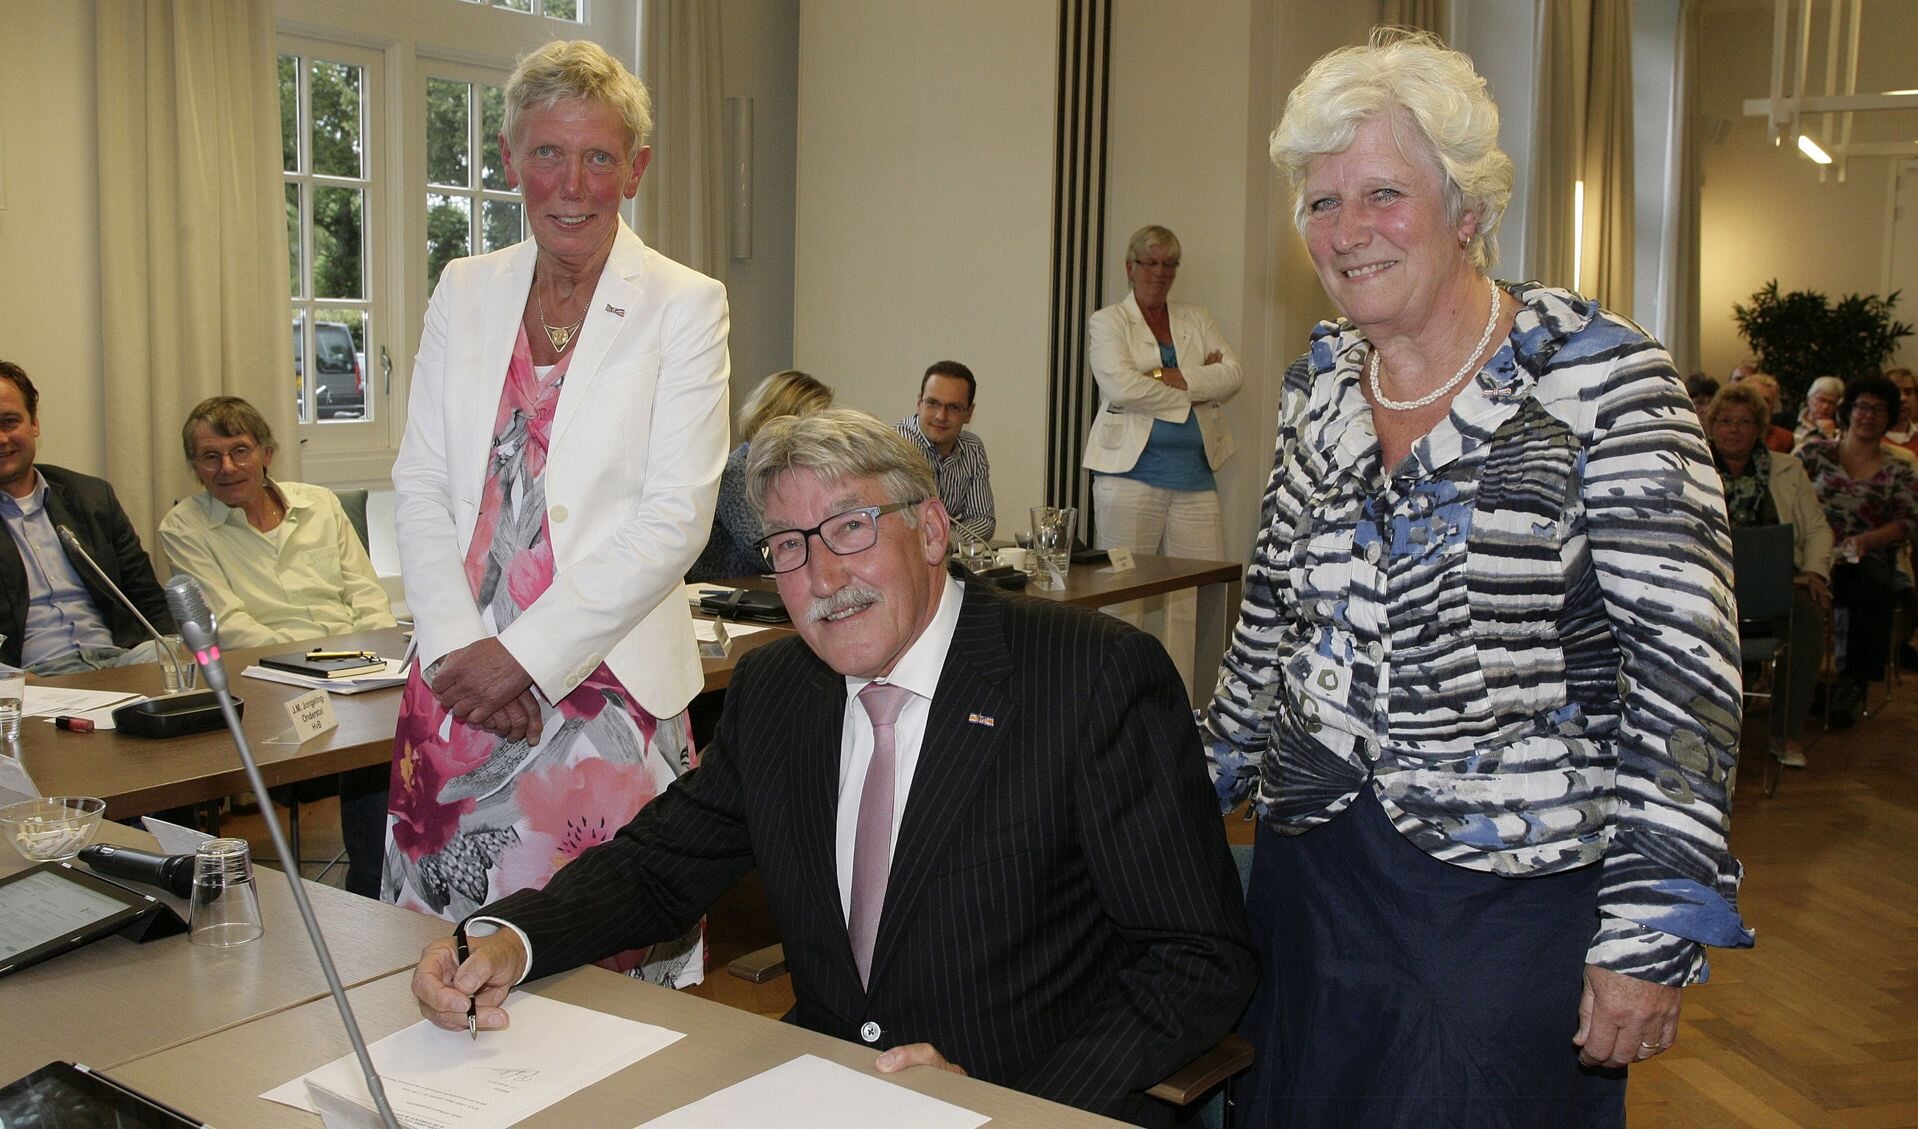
x: 872, y: 845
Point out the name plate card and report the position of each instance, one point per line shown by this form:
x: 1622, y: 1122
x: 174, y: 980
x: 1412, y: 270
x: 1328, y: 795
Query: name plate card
x: 311, y: 714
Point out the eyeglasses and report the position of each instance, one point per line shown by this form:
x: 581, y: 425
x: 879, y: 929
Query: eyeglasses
x: 938, y: 406
x: 1148, y: 264
x: 853, y: 531
x: 241, y: 455
x: 1870, y: 408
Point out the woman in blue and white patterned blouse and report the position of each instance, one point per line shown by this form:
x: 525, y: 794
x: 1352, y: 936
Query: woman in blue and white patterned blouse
x: 1484, y: 686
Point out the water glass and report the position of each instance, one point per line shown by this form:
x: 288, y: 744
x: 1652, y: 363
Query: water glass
x: 1052, y: 528
x: 225, y: 909
x: 189, y: 674
x: 13, y: 694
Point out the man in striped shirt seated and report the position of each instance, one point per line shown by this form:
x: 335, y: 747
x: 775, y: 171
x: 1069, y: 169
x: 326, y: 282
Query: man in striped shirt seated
x: 957, y: 457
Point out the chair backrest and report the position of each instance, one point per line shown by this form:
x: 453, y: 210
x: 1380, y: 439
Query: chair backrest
x: 354, y: 503
x: 1762, y: 571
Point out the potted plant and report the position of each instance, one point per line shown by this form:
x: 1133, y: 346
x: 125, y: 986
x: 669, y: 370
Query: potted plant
x: 1801, y: 336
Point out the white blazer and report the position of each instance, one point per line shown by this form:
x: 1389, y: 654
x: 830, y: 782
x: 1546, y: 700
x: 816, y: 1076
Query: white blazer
x: 1121, y: 350
x: 639, y: 438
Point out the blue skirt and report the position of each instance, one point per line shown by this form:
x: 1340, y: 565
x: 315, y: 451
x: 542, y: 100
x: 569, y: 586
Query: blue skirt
x: 1401, y: 990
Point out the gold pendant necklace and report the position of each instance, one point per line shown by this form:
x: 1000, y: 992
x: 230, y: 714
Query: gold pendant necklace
x: 560, y: 335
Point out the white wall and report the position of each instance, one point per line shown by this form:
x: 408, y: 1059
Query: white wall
x: 51, y: 321
x: 759, y: 41
x: 1764, y: 215
x: 925, y: 211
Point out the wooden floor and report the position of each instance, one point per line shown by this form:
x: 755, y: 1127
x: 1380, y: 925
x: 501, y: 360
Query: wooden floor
x: 1816, y: 1026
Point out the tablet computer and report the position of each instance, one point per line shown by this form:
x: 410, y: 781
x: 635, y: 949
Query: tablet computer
x: 48, y: 909
x: 63, y: 1094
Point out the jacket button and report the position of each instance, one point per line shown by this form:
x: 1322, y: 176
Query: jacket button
x: 557, y: 513
x: 869, y: 1031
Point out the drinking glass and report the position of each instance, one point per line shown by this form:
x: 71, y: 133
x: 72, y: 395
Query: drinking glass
x: 1052, y: 528
x: 225, y: 910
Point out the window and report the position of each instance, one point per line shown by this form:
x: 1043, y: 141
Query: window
x: 469, y: 209
x: 555, y: 9
x: 329, y: 98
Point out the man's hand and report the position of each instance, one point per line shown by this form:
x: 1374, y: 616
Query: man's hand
x: 442, y: 984
x: 899, y: 1058
x: 1622, y: 1019
x: 478, y: 682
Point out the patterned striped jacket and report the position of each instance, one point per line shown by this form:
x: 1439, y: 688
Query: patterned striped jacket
x: 1523, y: 637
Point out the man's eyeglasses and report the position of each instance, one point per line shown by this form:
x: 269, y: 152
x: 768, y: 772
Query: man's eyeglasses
x: 242, y: 456
x: 938, y: 406
x: 853, y: 531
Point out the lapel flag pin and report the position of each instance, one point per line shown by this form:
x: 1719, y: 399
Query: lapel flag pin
x: 980, y: 719
x: 615, y: 310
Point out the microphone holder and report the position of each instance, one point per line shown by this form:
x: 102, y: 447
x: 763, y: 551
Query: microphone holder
x: 206, y: 653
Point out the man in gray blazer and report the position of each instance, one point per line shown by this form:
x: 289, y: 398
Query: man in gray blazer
x: 983, y: 822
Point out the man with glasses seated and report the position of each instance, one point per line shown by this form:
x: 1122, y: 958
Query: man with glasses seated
x: 983, y: 821
x: 957, y: 456
x: 279, y: 561
x: 58, y: 617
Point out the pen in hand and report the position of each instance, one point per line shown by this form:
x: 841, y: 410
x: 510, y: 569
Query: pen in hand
x: 472, y: 1002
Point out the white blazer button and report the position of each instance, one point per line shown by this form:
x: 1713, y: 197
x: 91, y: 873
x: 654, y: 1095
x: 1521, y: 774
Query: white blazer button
x: 869, y: 1031
x: 557, y: 513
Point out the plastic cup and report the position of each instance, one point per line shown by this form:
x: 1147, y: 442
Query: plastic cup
x: 225, y: 909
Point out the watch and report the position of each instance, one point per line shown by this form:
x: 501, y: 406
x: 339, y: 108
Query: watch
x: 1157, y: 374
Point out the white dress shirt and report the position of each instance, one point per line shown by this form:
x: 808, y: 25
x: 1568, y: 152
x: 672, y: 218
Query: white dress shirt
x: 918, y: 671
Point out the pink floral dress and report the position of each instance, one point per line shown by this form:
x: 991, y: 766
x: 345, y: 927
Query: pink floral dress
x: 474, y: 817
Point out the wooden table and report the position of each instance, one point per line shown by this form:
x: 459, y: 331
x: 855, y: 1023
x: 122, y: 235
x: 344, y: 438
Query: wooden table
x: 218, y: 1077
x: 114, y: 999
x: 136, y: 775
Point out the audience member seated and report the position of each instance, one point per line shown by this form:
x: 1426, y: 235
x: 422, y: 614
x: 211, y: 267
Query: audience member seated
x: 1818, y: 418
x: 957, y: 456
x: 1867, y: 496
x: 731, y: 549
x: 1701, y: 389
x: 59, y: 618
x: 1765, y: 487
x: 1777, y: 438
x: 279, y: 561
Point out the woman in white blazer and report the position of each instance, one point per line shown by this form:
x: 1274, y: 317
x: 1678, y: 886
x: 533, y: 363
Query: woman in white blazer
x: 1163, y: 370
x: 565, y: 436
x: 1765, y: 487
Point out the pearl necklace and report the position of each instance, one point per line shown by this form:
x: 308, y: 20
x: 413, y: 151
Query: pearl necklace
x: 1382, y: 400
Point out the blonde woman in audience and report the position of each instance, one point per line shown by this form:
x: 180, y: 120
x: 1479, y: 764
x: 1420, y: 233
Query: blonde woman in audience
x: 563, y: 445
x: 731, y: 548
x: 1484, y: 686
x: 1766, y: 487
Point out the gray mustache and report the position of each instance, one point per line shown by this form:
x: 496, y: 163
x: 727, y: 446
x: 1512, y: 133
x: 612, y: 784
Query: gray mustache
x: 853, y: 595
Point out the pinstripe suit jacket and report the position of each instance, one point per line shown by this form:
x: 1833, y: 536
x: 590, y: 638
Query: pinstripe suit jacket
x: 1062, y: 917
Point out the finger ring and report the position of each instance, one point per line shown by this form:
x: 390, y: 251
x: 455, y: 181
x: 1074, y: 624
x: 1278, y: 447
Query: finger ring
x: 1655, y: 1046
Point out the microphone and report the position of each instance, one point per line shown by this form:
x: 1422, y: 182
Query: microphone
x: 187, y: 602
x: 74, y: 548
x: 172, y: 873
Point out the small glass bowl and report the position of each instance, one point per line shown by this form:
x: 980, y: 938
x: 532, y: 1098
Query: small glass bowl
x: 53, y: 828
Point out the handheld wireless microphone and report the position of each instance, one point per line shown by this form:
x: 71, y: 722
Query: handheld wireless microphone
x: 172, y: 873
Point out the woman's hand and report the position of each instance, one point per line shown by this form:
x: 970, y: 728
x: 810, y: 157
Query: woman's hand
x: 1622, y: 1019
x: 482, y: 684
x: 1815, y: 585
x: 1172, y: 378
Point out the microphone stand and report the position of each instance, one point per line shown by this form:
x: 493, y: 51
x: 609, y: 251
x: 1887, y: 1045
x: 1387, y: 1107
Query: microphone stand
x: 206, y: 652
x: 73, y: 545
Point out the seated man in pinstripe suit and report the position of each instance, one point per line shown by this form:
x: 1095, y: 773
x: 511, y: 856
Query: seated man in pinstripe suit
x: 983, y: 822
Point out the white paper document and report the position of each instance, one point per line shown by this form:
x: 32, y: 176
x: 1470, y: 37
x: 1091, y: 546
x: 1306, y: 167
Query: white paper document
x: 51, y: 701
x: 393, y: 675
x: 174, y: 839
x: 812, y: 1093
x: 703, y: 629
x: 439, y: 1079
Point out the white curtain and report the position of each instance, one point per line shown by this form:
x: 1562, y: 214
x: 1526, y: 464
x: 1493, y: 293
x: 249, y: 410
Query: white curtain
x: 193, y: 252
x: 1678, y: 274
x: 1582, y: 132
x: 682, y: 204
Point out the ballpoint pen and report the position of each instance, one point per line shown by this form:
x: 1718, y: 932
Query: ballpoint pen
x: 316, y: 655
x: 472, y: 1002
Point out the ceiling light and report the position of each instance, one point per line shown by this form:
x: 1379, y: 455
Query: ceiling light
x: 1810, y: 149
